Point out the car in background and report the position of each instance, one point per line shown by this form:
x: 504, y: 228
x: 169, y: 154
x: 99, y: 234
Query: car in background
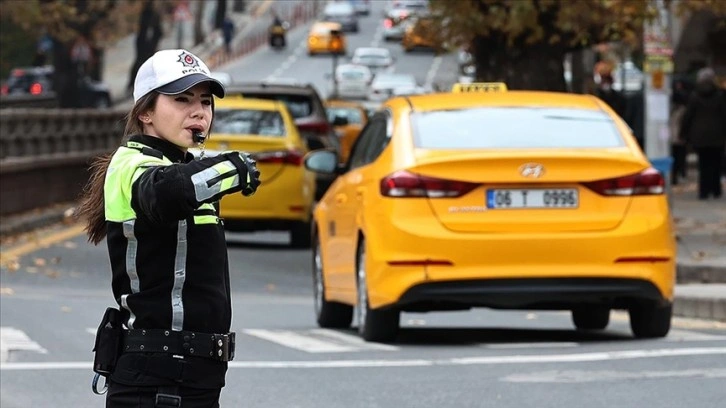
x: 377, y: 59
x: 307, y: 110
x: 322, y: 41
x: 343, y: 13
x: 484, y: 198
x: 422, y: 34
x: 356, y: 117
x: 352, y: 81
x: 410, y: 6
x: 39, y: 81
x: 362, y: 7
x: 266, y: 130
x: 395, y: 24
x: 385, y: 84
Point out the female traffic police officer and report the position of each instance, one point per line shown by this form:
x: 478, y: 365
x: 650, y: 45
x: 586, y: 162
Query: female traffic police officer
x: 155, y: 204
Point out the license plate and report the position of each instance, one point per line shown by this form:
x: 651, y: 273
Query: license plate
x: 533, y: 198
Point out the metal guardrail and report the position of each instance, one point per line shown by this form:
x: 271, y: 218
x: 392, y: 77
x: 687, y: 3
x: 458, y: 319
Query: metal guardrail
x: 45, y: 153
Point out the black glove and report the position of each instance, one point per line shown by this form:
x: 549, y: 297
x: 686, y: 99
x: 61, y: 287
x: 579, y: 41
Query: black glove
x: 253, y: 175
x: 249, y: 175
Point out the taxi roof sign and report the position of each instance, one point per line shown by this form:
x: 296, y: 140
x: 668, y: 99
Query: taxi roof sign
x: 479, y: 87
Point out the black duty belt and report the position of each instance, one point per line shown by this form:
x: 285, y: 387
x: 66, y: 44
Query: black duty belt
x: 218, y: 347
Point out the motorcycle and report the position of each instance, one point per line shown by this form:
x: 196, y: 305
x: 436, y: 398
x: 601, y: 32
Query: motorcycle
x: 277, y: 36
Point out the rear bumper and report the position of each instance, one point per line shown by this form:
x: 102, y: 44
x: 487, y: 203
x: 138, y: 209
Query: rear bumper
x: 537, y: 294
x: 641, y: 249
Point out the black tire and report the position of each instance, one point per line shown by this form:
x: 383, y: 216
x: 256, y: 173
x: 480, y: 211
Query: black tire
x: 330, y: 315
x: 373, y: 325
x: 591, y: 318
x: 650, y: 320
x: 300, y: 235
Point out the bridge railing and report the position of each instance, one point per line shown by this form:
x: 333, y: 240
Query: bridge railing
x: 45, y: 153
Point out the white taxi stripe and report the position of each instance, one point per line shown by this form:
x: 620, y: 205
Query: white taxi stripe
x: 12, y: 339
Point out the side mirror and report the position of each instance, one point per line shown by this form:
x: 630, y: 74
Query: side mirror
x: 322, y: 161
x: 340, y: 121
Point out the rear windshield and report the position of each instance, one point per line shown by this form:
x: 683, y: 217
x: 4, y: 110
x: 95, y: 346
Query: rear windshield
x: 299, y: 106
x: 249, y: 122
x: 506, y: 127
x: 353, y: 115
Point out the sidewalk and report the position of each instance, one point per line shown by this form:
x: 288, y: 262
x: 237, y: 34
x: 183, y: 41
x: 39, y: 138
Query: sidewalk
x: 119, y: 57
x: 701, y: 236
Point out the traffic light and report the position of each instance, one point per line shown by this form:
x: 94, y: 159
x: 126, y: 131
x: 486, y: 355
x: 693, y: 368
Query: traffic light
x: 336, y: 41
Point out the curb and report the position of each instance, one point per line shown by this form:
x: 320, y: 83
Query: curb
x: 700, y: 308
x: 689, y: 273
x: 35, y: 219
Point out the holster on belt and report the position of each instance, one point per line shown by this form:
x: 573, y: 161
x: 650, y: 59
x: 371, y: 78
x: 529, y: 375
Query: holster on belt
x: 108, y: 342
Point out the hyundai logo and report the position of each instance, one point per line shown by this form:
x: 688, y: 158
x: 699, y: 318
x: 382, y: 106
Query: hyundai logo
x: 532, y: 170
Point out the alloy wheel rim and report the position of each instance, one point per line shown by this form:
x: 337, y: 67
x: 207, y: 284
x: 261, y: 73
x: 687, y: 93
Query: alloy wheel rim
x: 318, y: 286
x: 362, y: 289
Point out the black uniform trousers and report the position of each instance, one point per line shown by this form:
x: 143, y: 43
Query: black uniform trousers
x: 709, y: 171
x: 131, y: 396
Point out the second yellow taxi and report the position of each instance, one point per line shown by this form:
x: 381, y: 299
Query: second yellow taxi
x: 504, y: 199
x: 325, y: 37
x: 266, y: 130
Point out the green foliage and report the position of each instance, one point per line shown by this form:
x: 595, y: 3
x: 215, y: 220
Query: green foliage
x: 569, y: 24
x: 16, y: 46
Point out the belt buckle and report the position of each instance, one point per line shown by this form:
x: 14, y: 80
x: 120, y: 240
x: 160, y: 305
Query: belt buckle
x: 224, y: 346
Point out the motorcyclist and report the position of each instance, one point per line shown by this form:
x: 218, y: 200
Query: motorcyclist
x: 277, y: 32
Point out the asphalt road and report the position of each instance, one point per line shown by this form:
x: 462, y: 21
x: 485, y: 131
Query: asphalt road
x: 52, y: 299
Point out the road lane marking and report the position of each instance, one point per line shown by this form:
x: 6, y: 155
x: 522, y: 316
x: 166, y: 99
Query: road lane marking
x: 432, y: 72
x: 377, y: 36
x: 502, y: 346
x: 490, y: 360
x: 12, y: 339
x: 579, y: 376
x: 298, y: 341
x: 354, y: 340
x: 13, y: 254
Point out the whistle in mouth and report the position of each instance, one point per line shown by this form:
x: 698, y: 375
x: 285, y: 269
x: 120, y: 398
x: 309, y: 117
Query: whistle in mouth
x: 198, y: 136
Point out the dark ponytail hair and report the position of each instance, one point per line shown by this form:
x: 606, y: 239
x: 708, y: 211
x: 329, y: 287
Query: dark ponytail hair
x: 92, y: 205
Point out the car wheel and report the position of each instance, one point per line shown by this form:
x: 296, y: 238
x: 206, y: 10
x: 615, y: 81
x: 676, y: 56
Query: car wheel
x: 650, y: 320
x: 592, y: 318
x: 300, y: 235
x: 373, y: 325
x: 331, y: 315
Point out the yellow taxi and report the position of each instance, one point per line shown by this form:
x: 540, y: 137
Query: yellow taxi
x: 354, y: 117
x: 491, y: 198
x: 421, y: 34
x: 325, y: 37
x: 285, y: 198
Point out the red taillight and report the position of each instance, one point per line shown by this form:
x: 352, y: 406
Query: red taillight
x: 36, y: 89
x: 421, y: 262
x: 405, y: 184
x: 388, y: 23
x: 294, y: 157
x: 647, y: 182
x: 314, y: 127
